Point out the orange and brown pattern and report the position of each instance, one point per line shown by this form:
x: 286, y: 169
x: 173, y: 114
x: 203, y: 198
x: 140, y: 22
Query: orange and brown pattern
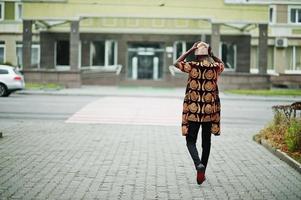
x: 201, y: 102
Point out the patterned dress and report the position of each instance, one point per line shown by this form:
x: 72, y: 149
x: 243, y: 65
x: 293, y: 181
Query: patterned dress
x: 201, y: 103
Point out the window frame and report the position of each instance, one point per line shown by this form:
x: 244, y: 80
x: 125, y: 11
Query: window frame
x: 235, y: 57
x: 38, y: 46
x: 107, y: 52
x: 255, y: 70
x: 184, y: 46
x: 271, y: 71
x: 254, y: 63
x: 2, y: 11
x: 274, y: 14
x: 19, y: 46
x: 60, y: 67
x: 106, y: 56
x: 4, y: 52
x: 297, y: 15
x: 293, y: 71
x: 17, y: 13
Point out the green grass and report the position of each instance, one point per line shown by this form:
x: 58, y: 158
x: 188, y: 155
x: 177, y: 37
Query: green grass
x: 272, y: 92
x: 43, y: 86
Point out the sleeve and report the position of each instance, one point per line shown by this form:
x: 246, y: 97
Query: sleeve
x: 184, y: 66
x: 220, y: 67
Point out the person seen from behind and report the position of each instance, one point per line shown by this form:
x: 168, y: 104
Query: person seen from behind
x: 201, y: 105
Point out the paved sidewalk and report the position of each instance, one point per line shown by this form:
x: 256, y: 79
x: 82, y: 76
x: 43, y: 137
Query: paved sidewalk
x: 56, y: 160
x: 96, y: 155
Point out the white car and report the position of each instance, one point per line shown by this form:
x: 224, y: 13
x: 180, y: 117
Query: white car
x: 10, y: 80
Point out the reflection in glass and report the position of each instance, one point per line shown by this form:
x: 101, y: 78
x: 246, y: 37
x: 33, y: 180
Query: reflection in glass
x: 229, y: 55
x: 98, y: 53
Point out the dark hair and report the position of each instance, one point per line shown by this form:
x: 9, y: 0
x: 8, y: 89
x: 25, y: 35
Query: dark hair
x: 210, y: 51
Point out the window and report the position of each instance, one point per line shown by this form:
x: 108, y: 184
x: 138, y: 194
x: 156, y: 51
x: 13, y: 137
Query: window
x: 181, y: 47
x: 111, y: 50
x: 293, y: 53
x: 191, y: 56
x: 228, y: 55
x: 145, y: 61
x: 104, y: 53
x: 255, y: 59
x: 270, y: 67
x: 62, y: 53
x: 19, y: 56
x: 35, y: 56
x: 3, y: 71
x: 18, y: 11
x: 272, y: 14
x: 1, y: 11
x: 295, y: 15
x: 2, y: 52
x: 98, y: 53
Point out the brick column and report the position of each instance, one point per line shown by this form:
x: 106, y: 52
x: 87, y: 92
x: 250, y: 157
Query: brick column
x: 263, y: 48
x: 47, y: 44
x: 215, y: 39
x: 168, y: 62
x: 85, y: 51
x: 27, y: 41
x: 74, y: 46
x: 122, y: 58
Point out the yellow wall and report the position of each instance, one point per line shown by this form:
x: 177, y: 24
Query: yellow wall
x: 213, y: 9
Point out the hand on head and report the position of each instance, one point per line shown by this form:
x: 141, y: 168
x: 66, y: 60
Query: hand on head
x: 194, y: 46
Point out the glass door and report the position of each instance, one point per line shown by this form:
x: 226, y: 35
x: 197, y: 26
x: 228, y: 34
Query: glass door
x: 145, y: 62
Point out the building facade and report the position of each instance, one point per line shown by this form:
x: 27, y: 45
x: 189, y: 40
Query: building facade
x: 74, y: 42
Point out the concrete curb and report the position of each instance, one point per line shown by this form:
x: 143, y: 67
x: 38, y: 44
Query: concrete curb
x: 99, y: 95
x: 281, y: 155
x: 171, y: 95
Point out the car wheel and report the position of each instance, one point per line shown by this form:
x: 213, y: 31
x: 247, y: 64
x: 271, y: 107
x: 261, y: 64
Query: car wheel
x: 3, y: 90
x: 7, y: 94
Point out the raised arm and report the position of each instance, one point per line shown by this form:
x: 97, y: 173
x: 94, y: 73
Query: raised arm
x: 184, y: 55
x: 180, y: 62
x: 221, y: 65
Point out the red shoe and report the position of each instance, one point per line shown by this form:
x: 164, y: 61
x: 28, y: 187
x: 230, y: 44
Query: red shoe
x: 200, y: 177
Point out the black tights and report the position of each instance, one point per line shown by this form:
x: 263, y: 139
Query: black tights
x: 191, y: 139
